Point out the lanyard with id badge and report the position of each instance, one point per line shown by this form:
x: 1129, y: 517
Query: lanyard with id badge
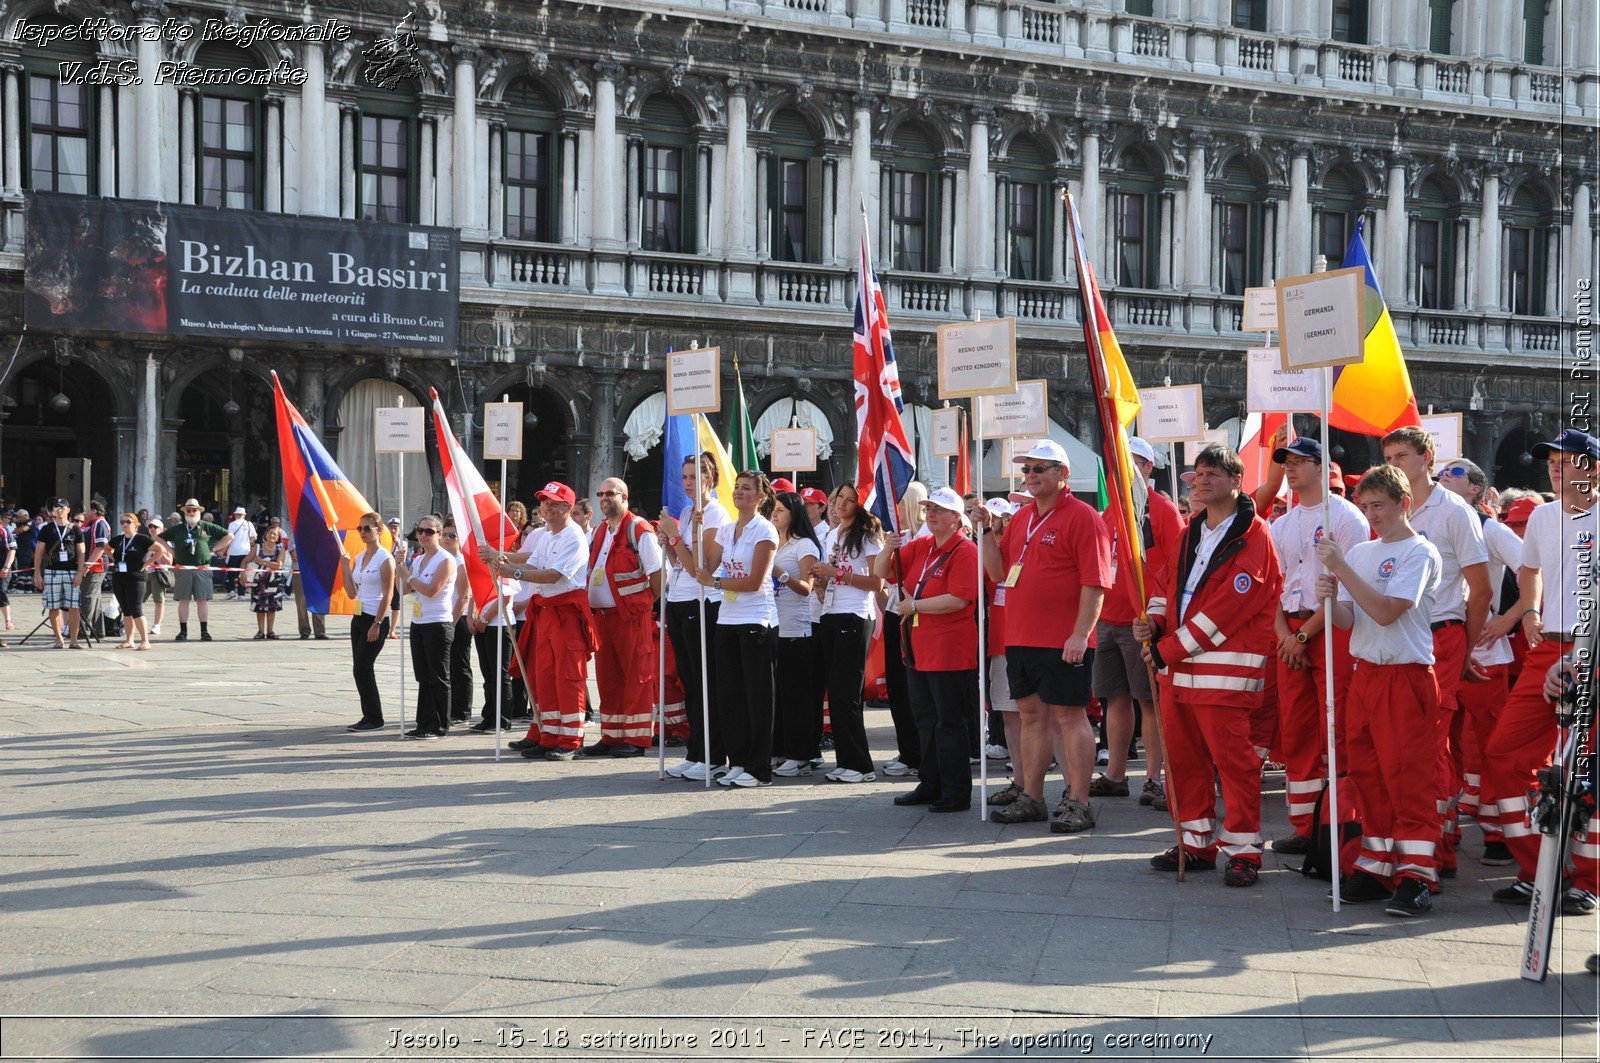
x: 1035, y: 525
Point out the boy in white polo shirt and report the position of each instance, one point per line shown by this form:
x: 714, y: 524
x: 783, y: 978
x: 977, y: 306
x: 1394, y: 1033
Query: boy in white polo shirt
x: 1386, y: 591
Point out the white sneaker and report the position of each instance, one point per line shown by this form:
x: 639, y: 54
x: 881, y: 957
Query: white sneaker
x: 996, y: 752
x: 695, y: 772
x: 677, y: 770
x: 155, y: 629
x: 896, y: 768
x: 728, y: 775
x: 1102, y: 758
x: 791, y: 768
x: 847, y: 775
x: 817, y: 762
x: 833, y: 776
x: 722, y: 769
x: 747, y: 781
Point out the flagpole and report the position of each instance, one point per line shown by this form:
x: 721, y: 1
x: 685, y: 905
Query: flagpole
x: 505, y: 621
x: 697, y: 511
x: 983, y: 641
x: 1327, y: 635
x: 400, y: 504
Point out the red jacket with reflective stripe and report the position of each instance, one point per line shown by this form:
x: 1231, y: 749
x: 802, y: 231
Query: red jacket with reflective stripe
x: 1219, y: 653
x: 624, y: 569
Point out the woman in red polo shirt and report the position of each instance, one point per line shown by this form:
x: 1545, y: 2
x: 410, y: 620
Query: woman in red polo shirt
x: 938, y: 576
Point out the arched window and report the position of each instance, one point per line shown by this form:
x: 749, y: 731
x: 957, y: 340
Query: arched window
x: 914, y: 201
x: 666, y: 178
x: 1138, y: 221
x: 1527, y: 247
x: 1250, y: 15
x: 1027, y: 211
x: 1350, y: 21
x: 1342, y: 202
x: 529, y: 165
x: 62, y: 117
x: 1435, y: 242
x: 386, y: 158
x: 1441, y: 14
x: 1240, y: 197
x: 230, y: 132
x: 794, y: 189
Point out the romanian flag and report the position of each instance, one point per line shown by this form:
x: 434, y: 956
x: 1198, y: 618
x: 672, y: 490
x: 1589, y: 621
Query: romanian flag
x: 324, y: 509
x: 1373, y: 397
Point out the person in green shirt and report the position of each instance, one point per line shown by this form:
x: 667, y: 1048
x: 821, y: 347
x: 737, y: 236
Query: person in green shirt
x: 194, y: 542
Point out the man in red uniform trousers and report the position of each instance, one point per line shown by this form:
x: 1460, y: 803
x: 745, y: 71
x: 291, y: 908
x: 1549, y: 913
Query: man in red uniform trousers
x: 1210, y: 633
x: 624, y: 579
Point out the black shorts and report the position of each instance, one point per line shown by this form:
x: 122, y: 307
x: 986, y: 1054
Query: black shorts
x: 1039, y: 671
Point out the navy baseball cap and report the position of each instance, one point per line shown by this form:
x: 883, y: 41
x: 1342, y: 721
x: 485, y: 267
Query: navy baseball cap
x: 1572, y: 441
x: 1303, y: 446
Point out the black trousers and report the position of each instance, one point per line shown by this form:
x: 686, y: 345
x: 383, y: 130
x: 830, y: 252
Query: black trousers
x: 843, y: 642
x: 909, y: 746
x: 939, y: 700
x: 430, y: 663
x: 744, y: 692
x: 683, y: 630
x: 486, y: 640
x: 797, y: 720
x: 129, y: 590
x: 364, y: 659
x: 461, y: 672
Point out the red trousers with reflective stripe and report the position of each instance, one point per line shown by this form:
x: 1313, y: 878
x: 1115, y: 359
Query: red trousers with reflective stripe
x: 625, y: 673
x: 1524, y: 739
x: 561, y: 675
x: 1395, y: 775
x: 1303, y: 722
x: 1449, y: 657
x: 528, y: 645
x: 1480, y: 705
x: 677, y: 717
x: 1202, y: 739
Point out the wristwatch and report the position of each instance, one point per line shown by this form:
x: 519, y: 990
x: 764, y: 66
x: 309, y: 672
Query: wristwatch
x: 516, y: 574
x: 716, y: 582
x: 1301, y: 637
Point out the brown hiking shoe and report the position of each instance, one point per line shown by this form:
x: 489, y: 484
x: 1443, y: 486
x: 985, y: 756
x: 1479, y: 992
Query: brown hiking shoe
x: 1006, y: 796
x: 1105, y: 786
x: 1024, y: 809
x: 1070, y: 817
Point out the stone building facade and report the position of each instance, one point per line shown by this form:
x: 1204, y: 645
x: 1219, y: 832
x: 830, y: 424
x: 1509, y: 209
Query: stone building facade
x: 639, y: 176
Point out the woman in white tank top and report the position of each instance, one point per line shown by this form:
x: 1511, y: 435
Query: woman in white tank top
x: 430, y: 579
x: 368, y: 578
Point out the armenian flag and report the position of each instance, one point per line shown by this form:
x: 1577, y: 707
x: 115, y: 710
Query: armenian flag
x: 324, y: 509
x: 1373, y: 397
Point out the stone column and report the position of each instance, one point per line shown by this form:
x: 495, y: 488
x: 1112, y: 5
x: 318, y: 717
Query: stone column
x: 1090, y: 202
x: 735, y: 198
x: 427, y: 186
x: 13, y: 129
x: 348, y: 131
x: 829, y: 251
x: 602, y: 454
x: 1167, y: 259
x: 313, y: 135
x: 166, y: 476
x: 1489, y: 296
x: 272, y: 200
x: 1297, y: 241
x: 1197, y: 218
x: 1552, y: 271
x: 312, y: 382
x: 464, y: 181
x: 764, y: 221
x: 980, y: 197
x: 1394, y: 268
x: 1580, y: 244
x: 604, y: 190
x: 862, y: 195
x: 107, y: 178
x: 634, y: 156
x: 950, y: 243
x: 147, y: 442
x: 188, y: 146
x: 497, y: 191
x: 1483, y: 427
x: 569, y: 187
x: 147, y: 99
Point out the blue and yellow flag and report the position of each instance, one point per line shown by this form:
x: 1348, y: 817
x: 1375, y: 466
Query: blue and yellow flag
x: 1373, y: 397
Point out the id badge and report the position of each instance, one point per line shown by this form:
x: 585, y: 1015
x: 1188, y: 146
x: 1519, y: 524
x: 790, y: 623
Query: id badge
x: 1014, y: 575
x: 416, y: 609
x: 729, y: 597
x: 62, y: 556
x: 916, y: 619
x: 599, y: 579
x: 1000, y: 595
x: 122, y: 566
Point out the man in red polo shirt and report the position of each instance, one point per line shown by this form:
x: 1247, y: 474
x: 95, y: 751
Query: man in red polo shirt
x: 1054, y: 565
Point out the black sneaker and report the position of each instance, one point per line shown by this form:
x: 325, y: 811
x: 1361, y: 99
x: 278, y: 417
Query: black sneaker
x: 1293, y: 845
x: 1168, y: 861
x: 1240, y: 872
x: 1577, y: 902
x: 182, y: 636
x: 205, y: 636
x: 1411, y: 898
x: 599, y: 749
x: 1519, y: 892
x: 624, y: 751
x: 419, y: 735
x: 365, y: 725
x: 534, y: 752
x: 1497, y: 854
x: 522, y: 744
x: 1362, y: 888
x: 560, y: 754
x: 826, y: 744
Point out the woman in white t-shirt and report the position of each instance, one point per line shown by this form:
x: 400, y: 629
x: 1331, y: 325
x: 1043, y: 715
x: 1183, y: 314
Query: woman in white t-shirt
x: 845, y: 630
x: 684, y: 599
x: 430, y: 578
x: 739, y: 564
x: 797, y: 725
x: 368, y: 578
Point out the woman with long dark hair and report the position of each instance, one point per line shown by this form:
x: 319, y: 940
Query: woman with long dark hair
x: 797, y: 723
x: 704, y: 516
x: 739, y: 564
x: 369, y: 579
x: 845, y: 631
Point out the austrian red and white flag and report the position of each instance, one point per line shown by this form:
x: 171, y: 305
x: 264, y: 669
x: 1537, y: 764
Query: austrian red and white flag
x: 478, y: 516
x: 1255, y: 449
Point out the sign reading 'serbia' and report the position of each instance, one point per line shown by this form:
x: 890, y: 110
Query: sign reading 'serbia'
x: 133, y: 266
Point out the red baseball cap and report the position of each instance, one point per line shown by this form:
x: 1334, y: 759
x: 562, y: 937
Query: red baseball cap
x: 1336, y: 478
x: 1518, y: 511
x: 1351, y: 480
x: 814, y: 496
x: 556, y: 492
x: 782, y: 484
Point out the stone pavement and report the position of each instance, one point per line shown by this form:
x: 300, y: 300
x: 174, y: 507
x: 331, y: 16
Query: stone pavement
x: 200, y: 861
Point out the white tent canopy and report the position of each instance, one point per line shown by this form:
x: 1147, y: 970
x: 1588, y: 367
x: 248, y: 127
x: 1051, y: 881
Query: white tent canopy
x: 1084, y: 477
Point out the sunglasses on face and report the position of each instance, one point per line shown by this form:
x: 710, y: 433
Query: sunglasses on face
x: 607, y: 494
x: 1454, y: 470
x: 449, y: 535
x: 127, y: 522
x: 427, y: 531
x: 1027, y: 469
x: 366, y: 528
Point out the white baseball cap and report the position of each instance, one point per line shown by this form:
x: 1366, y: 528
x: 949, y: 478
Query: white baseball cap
x: 946, y: 498
x: 1140, y: 449
x: 1044, y: 450
x: 1000, y: 507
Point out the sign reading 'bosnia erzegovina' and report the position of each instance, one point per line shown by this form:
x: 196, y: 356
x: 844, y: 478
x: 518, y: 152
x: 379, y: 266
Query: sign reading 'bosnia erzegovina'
x: 117, y: 265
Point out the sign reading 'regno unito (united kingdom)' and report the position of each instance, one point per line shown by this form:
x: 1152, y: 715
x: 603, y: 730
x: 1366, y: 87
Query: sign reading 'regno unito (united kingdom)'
x: 112, y: 265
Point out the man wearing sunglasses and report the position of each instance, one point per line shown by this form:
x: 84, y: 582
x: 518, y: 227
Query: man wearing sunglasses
x: 624, y: 580
x: 1053, y: 566
x: 194, y: 542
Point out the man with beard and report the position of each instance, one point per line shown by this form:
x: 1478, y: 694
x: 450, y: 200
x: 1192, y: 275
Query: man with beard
x: 624, y: 579
x: 194, y: 543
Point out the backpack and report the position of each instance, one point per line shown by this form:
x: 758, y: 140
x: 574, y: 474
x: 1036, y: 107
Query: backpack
x: 1316, y: 865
